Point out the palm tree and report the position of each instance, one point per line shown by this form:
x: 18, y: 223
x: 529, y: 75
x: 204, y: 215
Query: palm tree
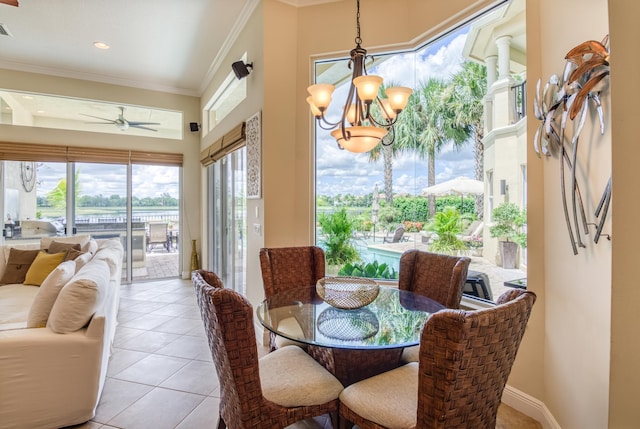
x: 468, y: 88
x: 427, y: 125
x: 387, y: 151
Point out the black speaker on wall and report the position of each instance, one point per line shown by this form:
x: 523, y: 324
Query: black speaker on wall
x: 194, y: 126
x: 241, y: 70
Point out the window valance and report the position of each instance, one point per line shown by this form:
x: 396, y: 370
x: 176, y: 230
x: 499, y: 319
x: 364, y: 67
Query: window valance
x: 11, y: 151
x: 231, y: 141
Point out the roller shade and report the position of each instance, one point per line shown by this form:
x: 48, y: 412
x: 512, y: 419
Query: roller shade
x: 156, y: 158
x: 104, y: 156
x: 231, y: 141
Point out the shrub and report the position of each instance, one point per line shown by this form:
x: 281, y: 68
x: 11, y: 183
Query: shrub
x: 370, y: 270
x: 446, y: 224
x: 508, y: 223
x: 338, y: 230
x: 412, y: 226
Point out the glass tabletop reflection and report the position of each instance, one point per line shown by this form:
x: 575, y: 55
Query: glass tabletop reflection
x: 394, y: 319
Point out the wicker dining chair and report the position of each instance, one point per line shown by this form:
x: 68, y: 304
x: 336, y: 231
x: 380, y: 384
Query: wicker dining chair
x: 465, y: 360
x: 287, y: 268
x: 436, y: 276
x: 274, y: 391
x: 439, y: 277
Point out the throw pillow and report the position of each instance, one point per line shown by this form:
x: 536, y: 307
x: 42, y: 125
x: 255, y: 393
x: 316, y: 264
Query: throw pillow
x: 47, y: 294
x: 42, y: 266
x: 82, y: 239
x: 79, y: 298
x: 57, y: 247
x: 18, y: 264
x: 72, y: 254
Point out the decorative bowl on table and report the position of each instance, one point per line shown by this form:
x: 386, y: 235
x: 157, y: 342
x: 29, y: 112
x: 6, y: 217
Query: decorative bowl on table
x: 347, y: 292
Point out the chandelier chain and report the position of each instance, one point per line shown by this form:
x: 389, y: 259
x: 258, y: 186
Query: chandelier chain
x: 358, y: 40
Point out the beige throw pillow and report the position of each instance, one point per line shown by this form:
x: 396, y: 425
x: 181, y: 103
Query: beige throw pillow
x: 47, y: 294
x: 79, y: 298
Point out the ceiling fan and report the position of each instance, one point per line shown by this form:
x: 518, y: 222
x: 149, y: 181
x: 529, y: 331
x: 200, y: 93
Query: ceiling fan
x: 122, y: 123
x: 10, y: 2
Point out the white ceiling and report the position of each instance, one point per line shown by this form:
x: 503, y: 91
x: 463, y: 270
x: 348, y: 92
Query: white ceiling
x: 166, y: 45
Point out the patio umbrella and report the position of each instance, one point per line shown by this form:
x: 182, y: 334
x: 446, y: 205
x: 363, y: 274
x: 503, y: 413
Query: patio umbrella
x: 459, y: 186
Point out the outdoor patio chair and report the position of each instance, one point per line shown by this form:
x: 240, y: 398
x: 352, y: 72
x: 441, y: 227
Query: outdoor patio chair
x: 396, y: 237
x: 464, y: 362
x: 286, y: 268
x: 158, y: 234
x: 275, y: 391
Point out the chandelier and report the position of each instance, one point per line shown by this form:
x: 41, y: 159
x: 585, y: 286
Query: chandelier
x: 358, y: 130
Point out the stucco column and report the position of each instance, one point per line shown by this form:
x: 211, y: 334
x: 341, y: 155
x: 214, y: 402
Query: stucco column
x: 491, y: 62
x: 504, y: 56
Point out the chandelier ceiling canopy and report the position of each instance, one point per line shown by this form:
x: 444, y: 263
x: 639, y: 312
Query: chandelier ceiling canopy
x: 363, y: 123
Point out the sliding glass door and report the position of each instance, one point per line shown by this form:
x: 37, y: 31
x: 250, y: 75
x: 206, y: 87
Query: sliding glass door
x: 138, y: 203
x: 227, y: 219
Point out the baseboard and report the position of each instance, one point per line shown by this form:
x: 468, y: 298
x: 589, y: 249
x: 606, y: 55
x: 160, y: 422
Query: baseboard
x: 529, y: 406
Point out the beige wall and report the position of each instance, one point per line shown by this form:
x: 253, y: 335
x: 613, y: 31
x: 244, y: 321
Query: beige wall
x: 624, y: 411
x: 250, y: 40
x: 189, y: 147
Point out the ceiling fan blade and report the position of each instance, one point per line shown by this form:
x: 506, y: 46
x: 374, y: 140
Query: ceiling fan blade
x: 134, y: 123
x: 111, y: 121
x: 10, y: 2
x: 101, y: 123
x: 141, y: 127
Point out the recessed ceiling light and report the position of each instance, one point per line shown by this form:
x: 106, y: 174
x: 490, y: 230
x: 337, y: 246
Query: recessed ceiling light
x: 27, y: 97
x: 100, y: 45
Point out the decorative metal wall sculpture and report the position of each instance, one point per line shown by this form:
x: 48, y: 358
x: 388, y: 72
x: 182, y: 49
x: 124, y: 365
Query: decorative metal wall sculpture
x: 565, y: 99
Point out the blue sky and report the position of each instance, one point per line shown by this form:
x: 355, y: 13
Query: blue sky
x: 342, y: 172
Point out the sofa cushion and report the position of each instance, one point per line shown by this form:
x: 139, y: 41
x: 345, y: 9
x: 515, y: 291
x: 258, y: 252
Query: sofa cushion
x: 46, y: 296
x: 57, y: 247
x: 93, y: 246
x: 15, y: 301
x: 17, y: 265
x: 42, y: 266
x: 82, y: 260
x: 79, y: 298
x: 82, y: 240
x: 110, y: 256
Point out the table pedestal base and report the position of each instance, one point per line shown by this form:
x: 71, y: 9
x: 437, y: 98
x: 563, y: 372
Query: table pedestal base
x: 352, y: 365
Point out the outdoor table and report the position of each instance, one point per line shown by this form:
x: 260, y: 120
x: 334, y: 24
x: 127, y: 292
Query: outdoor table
x: 352, y: 344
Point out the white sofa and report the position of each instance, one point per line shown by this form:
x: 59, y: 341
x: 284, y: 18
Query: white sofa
x: 52, y: 376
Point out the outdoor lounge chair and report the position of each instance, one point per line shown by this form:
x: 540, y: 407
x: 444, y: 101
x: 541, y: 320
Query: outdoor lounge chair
x: 158, y: 234
x: 397, y: 236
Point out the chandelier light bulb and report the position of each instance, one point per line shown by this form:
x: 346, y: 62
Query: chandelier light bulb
x: 321, y: 95
x: 367, y: 86
x: 389, y: 113
x: 314, y: 110
x: 398, y: 97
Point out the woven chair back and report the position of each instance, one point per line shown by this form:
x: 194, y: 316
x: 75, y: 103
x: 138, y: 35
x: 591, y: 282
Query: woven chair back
x: 288, y: 268
x: 465, y: 360
x: 436, y: 276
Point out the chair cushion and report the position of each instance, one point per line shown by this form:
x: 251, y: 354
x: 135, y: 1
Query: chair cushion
x: 410, y: 354
x: 290, y: 378
x: 290, y: 326
x: 389, y: 399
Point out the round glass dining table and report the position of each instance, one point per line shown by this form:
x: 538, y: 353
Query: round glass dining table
x: 352, y: 343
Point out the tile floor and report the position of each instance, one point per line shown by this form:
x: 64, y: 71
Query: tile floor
x: 161, y: 375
